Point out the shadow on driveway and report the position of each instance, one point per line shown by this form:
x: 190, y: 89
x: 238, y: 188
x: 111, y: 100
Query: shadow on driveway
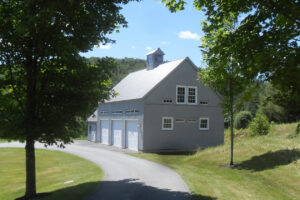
x: 127, y: 189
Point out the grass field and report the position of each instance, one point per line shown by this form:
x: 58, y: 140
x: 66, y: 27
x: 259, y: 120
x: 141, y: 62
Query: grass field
x: 269, y: 167
x: 68, y: 177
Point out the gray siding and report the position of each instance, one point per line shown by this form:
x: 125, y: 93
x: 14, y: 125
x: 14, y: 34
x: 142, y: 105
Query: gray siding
x: 185, y: 75
x: 184, y: 135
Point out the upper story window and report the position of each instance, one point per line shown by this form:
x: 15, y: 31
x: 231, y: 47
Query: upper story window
x: 103, y: 112
x: 167, y: 101
x: 180, y: 94
x: 132, y: 111
x: 204, y: 123
x: 192, y: 95
x: 186, y: 95
x: 117, y: 112
x: 167, y: 123
x: 203, y: 102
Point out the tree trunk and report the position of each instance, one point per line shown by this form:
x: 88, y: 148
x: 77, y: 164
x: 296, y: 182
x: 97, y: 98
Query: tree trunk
x: 30, y: 120
x: 231, y: 120
x: 30, y: 169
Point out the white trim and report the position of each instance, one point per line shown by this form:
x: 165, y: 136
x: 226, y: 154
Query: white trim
x: 205, y: 118
x: 186, y: 94
x: 162, y: 123
x: 196, y: 94
x: 180, y: 86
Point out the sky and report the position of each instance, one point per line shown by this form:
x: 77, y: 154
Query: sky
x: 151, y: 25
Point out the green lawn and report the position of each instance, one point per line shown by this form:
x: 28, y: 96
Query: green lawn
x: 270, y: 167
x: 54, y: 169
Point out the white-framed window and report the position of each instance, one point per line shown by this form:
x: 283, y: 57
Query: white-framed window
x: 180, y: 94
x: 204, y: 123
x: 186, y: 94
x: 179, y: 120
x: 192, y: 95
x: 167, y: 123
x: 104, y: 112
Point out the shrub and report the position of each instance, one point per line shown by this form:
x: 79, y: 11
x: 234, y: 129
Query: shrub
x: 242, y: 119
x: 298, y: 128
x: 259, y: 125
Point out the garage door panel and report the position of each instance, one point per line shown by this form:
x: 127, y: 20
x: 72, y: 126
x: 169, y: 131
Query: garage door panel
x: 132, y: 135
x: 104, y: 126
x: 117, y: 133
x: 92, y: 132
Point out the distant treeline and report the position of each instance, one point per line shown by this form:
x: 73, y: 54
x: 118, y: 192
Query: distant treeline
x: 124, y: 67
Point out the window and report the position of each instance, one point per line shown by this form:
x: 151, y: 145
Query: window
x: 191, y: 121
x: 203, y: 102
x: 167, y: 123
x: 149, y: 60
x: 179, y: 120
x: 158, y: 58
x: 117, y: 112
x: 131, y: 111
x: 204, y: 123
x: 167, y: 101
x: 180, y: 94
x: 192, y: 95
x: 104, y: 112
x: 186, y: 95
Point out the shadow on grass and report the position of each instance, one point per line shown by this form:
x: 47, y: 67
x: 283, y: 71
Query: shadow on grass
x: 270, y: 160
x: 127, y: 189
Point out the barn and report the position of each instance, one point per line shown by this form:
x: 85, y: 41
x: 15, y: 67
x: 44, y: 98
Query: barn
x: 163, y: 107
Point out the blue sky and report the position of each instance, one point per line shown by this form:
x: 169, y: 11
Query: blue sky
x: 152, y: 25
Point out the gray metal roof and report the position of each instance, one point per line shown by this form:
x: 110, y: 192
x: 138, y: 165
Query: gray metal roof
x: 137, y: 84
x: 93, y: 117
x: 156, y: 51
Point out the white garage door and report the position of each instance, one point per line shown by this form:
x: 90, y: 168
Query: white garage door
x: 92, y: 132
x: 117, y: 133
x: 104, y: 125
x: 132, y: 135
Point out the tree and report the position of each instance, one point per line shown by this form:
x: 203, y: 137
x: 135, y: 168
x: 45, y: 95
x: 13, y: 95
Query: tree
x: 266, y: 40
x: 45, y: 85
x: 223, y: 73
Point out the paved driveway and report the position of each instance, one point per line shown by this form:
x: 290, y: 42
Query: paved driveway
x: 126, y: 177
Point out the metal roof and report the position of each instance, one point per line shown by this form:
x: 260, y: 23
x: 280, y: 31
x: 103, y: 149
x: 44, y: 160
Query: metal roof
x: 93, y: 117
x: 157, y: 51
x: 137, y: 84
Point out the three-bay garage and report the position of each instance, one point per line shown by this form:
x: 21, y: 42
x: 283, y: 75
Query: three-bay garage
x: 122, y: 133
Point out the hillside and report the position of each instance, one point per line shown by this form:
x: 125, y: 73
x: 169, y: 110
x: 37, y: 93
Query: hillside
x: 124, y: 67
x: 269, y: 167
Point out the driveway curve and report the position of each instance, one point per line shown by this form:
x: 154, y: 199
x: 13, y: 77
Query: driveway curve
x: 126, y: 177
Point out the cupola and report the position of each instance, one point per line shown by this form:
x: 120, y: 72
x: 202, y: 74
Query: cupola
x: 154, y: 58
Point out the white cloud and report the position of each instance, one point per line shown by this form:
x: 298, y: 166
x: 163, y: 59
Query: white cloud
x: 188, y: 35
x: 107, y: 46
x: 165, y: 42
x: 148, y: 48
x: 133, y: 47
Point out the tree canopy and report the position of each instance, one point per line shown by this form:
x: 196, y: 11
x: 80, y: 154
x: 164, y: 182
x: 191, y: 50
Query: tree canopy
x: 266, y: 39
x: 45, y: 85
